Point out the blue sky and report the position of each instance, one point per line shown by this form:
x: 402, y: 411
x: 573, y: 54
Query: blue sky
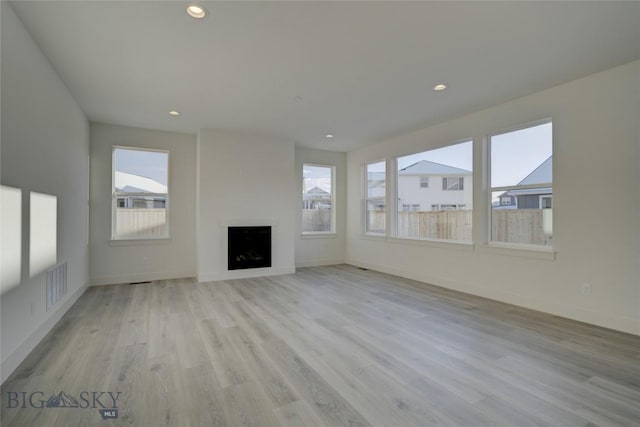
x: 316, y: 176
x: 152, y: 164
x: 514, y: 154
x: 458, y: 155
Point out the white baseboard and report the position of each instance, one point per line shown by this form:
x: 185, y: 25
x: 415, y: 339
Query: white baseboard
x: 244, y: 274
x: 115, y: 280
x: 605, y: 320
x: 318, y: 262
x: 30, y: 342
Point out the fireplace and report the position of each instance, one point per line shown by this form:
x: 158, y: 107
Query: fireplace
x: 249, y: 247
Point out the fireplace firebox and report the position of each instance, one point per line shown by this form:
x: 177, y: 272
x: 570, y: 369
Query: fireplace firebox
x: 249, y: 247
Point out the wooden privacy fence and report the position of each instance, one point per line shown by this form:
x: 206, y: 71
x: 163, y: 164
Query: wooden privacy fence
x: 141, y: 222
x: 316, y: 219
x: 513, y: 226
x: 519, y: 226
x: 446, y: 225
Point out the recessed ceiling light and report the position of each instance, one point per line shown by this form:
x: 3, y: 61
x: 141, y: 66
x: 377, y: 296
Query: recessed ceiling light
x: 440, y: 87
x: 174, y: 113
x: 196, y: 11
x: 329, y: 136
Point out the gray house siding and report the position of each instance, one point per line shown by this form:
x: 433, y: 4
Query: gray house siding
x: 529, y: 201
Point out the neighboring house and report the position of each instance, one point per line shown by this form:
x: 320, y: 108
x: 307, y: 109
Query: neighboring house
x: 132, y: 189
x: 430, y: 186
x: 533, y: 198
x: 316, y: 198
x: 376, y: 190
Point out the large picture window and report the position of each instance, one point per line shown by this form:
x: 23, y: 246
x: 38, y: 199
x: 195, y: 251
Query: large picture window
x: 522, y: 186
x: 140, y: 195
x: 442, y: 212
x: 318, y: 199
x: 375, y: 202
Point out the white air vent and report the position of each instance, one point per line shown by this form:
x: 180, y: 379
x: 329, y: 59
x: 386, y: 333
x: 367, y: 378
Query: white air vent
x: 56, y: 284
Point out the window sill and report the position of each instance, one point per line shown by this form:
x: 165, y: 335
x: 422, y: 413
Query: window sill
x: 526, y: 251
x: 373, y: 236
x: 319, y: 235
x: 444, y: 244
x: 140, y: 242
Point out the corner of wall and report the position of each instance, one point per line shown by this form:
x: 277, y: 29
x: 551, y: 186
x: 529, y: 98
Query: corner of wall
x: 17, y: 356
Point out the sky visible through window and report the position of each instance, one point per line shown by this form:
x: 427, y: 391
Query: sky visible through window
x: 316, y: 176
x: 514, y: 155
x: 151, y: 164
x: 458, y: 155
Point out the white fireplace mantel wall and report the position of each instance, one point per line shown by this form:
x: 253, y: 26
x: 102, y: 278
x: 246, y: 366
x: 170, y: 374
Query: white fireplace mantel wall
x: 243, y: 179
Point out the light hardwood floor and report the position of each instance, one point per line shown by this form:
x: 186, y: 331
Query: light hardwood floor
x: 328, y: 346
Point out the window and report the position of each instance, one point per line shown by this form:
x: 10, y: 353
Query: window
x: 521, y: 169
x: 453, y: 183
x: 505, y: 201
x: 545, y: 202
x: 451, y: 205
x: 318, y: 199
x: 375, y: 202
x: 140, y: 195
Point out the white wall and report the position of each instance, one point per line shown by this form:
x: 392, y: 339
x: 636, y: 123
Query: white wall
x: 244, y: 179
x: 321, y: 249
x: 596, y: 206
x: 45, y: 148
x: 129, y: 261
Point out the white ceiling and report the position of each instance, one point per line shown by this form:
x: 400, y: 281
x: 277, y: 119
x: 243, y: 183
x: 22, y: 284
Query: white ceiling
x: 363, y: 71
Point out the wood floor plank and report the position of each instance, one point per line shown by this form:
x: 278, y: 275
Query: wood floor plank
x: 262, y: 369
x: 329, y: 404
x: 298, y: 414
x: 327, y: 346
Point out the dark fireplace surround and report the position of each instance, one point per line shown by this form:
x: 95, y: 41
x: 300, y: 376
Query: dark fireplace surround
x: 249, y: 247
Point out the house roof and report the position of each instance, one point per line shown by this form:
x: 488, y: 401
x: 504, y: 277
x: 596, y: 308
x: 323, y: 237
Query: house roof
x: 425, y: 167
x: 316, y: 190
x: 540, y: 175
x: 131, y: 183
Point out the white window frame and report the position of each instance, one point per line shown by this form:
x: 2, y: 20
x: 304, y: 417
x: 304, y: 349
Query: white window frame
x: 332, y: 229
x: 488, y: 232
x: 367, y: 199
x: 424, y: 182
x: 114, y: 195
x: 546, y: 196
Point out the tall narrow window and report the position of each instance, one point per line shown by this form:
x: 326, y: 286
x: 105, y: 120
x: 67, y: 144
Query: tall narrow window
x: 140, y: 196
x: 318, y: 199
x: 375, y: 203
x: 522, y: 186
x: 442, y: 212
